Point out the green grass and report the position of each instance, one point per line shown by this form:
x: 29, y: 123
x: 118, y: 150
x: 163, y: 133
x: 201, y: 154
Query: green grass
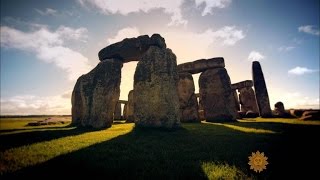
x: 196, y: 151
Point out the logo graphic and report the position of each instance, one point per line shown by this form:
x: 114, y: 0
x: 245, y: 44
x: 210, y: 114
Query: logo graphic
x: 258, y: 161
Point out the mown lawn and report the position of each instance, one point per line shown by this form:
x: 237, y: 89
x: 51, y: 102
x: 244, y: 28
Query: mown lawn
x: 196, y: 151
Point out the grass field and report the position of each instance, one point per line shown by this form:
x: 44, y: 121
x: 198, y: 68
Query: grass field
x: 196, y: 151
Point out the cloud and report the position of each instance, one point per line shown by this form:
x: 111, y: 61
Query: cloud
x: 309, y: 29
x: 285, y: 48
x: 47, y: 11
x: 211, y: 4
x: 255, y: 56
x: 49, y: 47
x: 301, y: 70
x: 128, y: 32
x: 171, y: 7
x: 35, y: 105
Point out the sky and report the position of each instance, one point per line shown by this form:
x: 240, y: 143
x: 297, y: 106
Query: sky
x: 46, y: 45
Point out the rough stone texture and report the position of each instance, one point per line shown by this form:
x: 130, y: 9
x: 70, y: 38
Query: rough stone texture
x: 201, y: 65
x: 248, y: 100
x: 242, y: 84
x: 130, y: 107
x: 156, y: 102
x: 131, y: 49
x: 236, y: 99
x: 187, y: 98
x: 117, y: 112
x: 217, y: 96
x: 261, y: 90
x: 95, y: 95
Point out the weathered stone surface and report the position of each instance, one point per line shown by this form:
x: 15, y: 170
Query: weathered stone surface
x: 216, y: 95
x: 187, y: 98
x: 95, y: 95
x: 248, y: 100
x: 131, y: 49
x: 279, y: 110
x: 242, y: 84
x: 261, y: 90
x: 201, y: 65
x: 117, y: 112
x: 130, y: 107
x: 156, y: 102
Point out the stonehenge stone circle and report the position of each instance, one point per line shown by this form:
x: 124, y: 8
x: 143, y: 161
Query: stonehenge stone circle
x: 217, y: 96
x: 96, y: 94
x: 187, y: 98
x: 261, y: 90
x: 156, y: 102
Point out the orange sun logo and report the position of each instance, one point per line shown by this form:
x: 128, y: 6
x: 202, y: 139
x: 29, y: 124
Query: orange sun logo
x: 258, y: 161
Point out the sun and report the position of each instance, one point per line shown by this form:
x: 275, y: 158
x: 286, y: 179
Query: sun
x: 258, y: 161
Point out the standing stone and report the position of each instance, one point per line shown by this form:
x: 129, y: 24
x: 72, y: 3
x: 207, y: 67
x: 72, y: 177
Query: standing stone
x: 125, y: 116
x: 248, y: 100
x: 156, y: 102
x: 130, y: 107
x: 261, y: 90
x: 95, y: 95
x: 117, y: 112
x: 236, y: 100
x: 217, y: 96
x: 279, y: 110
x: 187, y: 98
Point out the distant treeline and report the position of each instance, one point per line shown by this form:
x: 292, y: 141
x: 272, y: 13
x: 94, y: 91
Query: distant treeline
x: 31, y: 116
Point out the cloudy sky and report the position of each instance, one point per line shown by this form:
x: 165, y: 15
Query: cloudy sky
x: 46, y: 45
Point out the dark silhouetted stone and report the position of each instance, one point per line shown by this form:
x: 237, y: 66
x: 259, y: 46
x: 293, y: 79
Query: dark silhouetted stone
x: 311, y: 115
x: 201, y: 65
x: 131, y: 49
x: 261, y: 90
x: 187, y: 98
x: 117, y: 112
x: 156, y: 101
x: 248, y: 100
x: 217, y: 96
x: 242, y: 84
x: 95, y: 95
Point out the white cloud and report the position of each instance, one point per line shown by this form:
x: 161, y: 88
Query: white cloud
x: 285, y: 48
x: 35, y: 105
x: 47, y: 11
x: 309, y: 29
x: 301, y: 70
x: 210, y: 4
x: 48, y: 47
x: 128, y: 32
x: 255, y: 56
x: 171, y: 7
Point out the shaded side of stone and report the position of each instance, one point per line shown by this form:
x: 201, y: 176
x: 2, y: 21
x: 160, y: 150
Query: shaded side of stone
x: 261, y: 90
x: 201, y: 65
x: 217, y: 96
x: 187, y: 98
x: 156, y: 102
x: 95, y: 95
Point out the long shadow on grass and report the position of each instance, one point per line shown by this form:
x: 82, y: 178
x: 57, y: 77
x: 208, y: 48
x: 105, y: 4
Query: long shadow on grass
x: 18, y: 139
x: 154, y: 154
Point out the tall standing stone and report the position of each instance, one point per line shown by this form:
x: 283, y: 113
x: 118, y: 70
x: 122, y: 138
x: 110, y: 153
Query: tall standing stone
x: 130, y: 107
x: 187, y: 98
x: 117, y: 112
x: 248, y: 100
x: 261, y: 90
x: 156, y: 102
x: 95, y: 95
x: 217, y: 96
